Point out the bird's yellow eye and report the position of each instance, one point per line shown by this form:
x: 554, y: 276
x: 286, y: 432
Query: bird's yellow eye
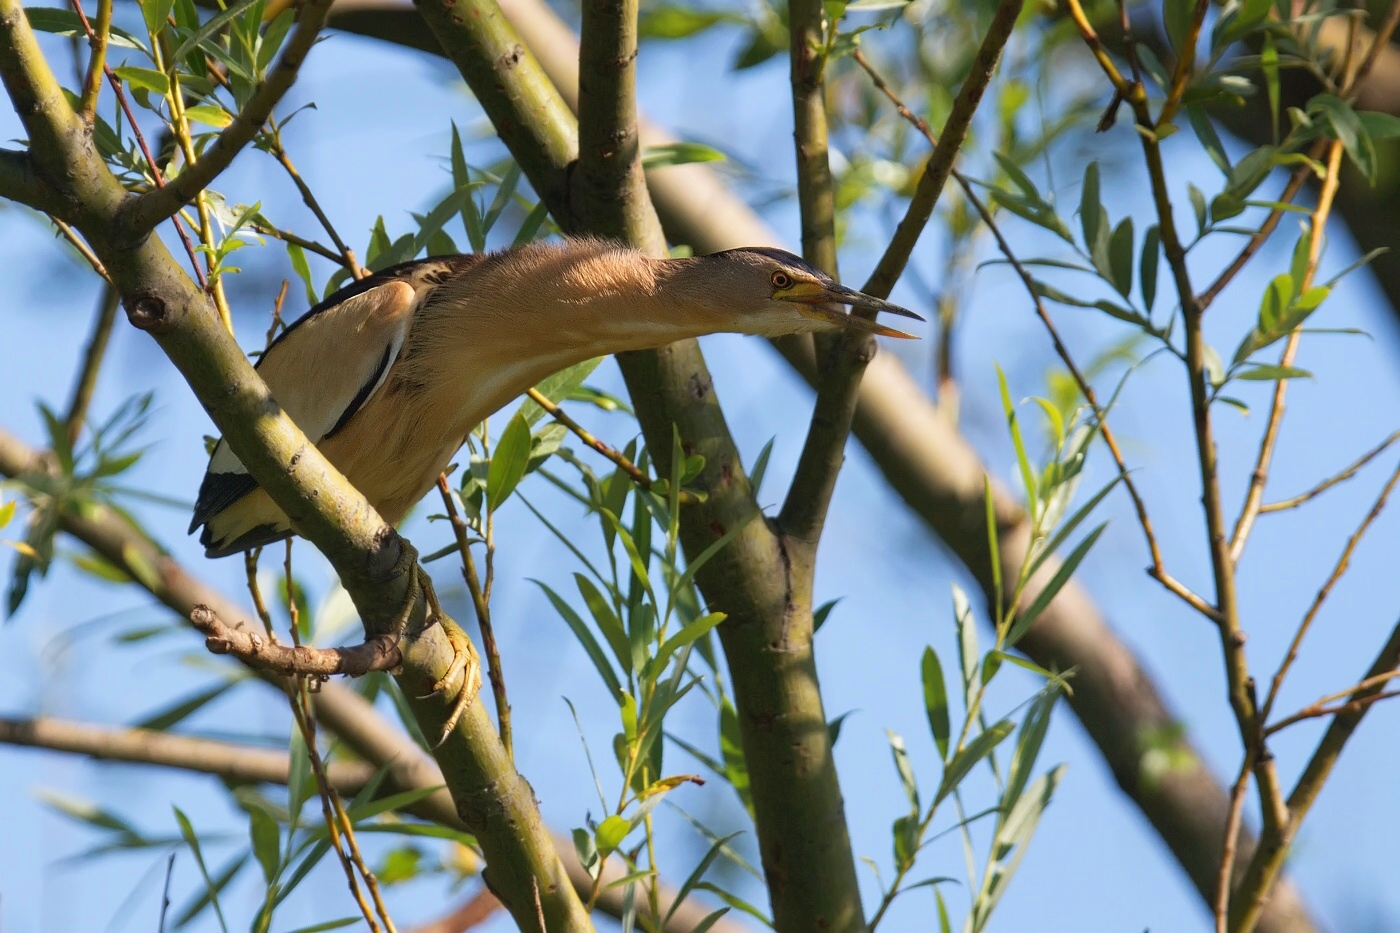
x: 781, y: 280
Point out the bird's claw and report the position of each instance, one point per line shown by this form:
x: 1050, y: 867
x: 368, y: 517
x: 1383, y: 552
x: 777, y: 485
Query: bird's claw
x: 466, y: 663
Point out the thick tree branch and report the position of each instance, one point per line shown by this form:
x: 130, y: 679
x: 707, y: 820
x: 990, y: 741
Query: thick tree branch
x: 19, y: 183
x: 143, y: 213
x: 800, y: 814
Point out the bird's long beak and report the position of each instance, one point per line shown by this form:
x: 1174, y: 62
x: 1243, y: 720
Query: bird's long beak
x: 826, y: 302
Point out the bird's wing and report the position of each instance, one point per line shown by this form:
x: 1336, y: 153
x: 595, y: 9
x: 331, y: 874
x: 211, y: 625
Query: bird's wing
x: 322, y: 371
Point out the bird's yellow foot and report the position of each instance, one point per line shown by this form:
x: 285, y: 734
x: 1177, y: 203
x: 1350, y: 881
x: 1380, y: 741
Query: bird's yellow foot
x: 465, y: 663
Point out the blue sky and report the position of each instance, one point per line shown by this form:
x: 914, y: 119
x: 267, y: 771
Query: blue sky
x: 377, y: 144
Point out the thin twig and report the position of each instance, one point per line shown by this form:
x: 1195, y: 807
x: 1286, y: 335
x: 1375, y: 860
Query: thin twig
x: 1327, y: 484
x: 1254, y: 498
x: 495, y: 672
x: 1232, y: 832
x: 277, y: 321
x: 92, y: 361
x: 1158, y: 569
x: 1186, y: 61
x: 79, y: 244
x: 346, y: 254
x: 97, y: 61
x: 311, y: 246
x: 1320, y: 708
x: 637, y: 475
x: 1341, y: 567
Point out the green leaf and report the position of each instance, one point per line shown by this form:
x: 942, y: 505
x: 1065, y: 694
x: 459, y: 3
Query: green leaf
x: 710, y: 920
x: 1210, y: 141
x: 966, y: 759
x: 672, y: 21
x: 736, y: 902
x: 1120, y: 258
x: 329, y: 925
x: 736, y: 769
x: 822, y: 613
x: 7, y: 512
x: 508, y: 461
x: 209, y: 115
x: 684, y: 637
x: 610, y: 833
x: 1198, y: 205
x: 906, y: 771
x: 967, y: 643
x: 1090, y: 210
x: 192, y: 840
x: 585, y: 848
x: 1014, y: 427
x: 698, y: 874
x: 1347, y: 129
x: 558, y: 387
x: 1147, y: 266
x: 1263, y: 372
x: 679, y: 154
x: 608, y: 622
x: 1378, y: 125
x: 1276, y: 298
x: 144, y: 78
x: 66, y: 23
x: 180, y: 710
x: 267, y: 840
x: 1042, y: 599
x: 586, y: 639
x: 210, y: 27
x: 1268, y: 64
x: 1028, y: 743
x: 935, y: 700
x: 155, y: 13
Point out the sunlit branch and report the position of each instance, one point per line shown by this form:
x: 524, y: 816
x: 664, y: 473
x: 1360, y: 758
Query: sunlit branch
x: 1328, y: 483
x: 1317, y: 229
x: 1343, y: 562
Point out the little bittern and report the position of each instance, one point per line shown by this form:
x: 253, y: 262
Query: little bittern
x: 389, y: 375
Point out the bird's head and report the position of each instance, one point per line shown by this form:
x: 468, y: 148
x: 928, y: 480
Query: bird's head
x: 771, y: 292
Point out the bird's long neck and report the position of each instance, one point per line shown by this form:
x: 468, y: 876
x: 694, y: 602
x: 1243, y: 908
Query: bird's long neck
x: 508, y: 324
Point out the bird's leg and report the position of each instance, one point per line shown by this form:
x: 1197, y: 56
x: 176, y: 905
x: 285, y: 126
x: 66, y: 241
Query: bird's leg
x: 464, y: 658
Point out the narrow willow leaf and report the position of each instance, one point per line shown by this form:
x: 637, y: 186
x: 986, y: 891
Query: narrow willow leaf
x: 935, y: 700
x: 586, y: 639
x: 1042, y: 599
x: 967, y: 643
x: 1120, y: 258
x: 966, y: 759
x: 508, y: 461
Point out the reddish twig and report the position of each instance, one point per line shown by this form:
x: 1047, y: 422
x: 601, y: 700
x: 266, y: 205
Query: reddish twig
x: 380, y: 653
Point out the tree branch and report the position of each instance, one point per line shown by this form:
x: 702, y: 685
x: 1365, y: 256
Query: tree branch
x: 809, y: 497
x: 20, y: 183
x: 796, y: 794
x: 141, y: 214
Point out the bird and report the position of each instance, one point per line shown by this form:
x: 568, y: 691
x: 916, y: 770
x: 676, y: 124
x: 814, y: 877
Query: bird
x: 388, y: 375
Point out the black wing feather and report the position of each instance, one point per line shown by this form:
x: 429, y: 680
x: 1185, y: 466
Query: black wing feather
x: 217, y: 492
